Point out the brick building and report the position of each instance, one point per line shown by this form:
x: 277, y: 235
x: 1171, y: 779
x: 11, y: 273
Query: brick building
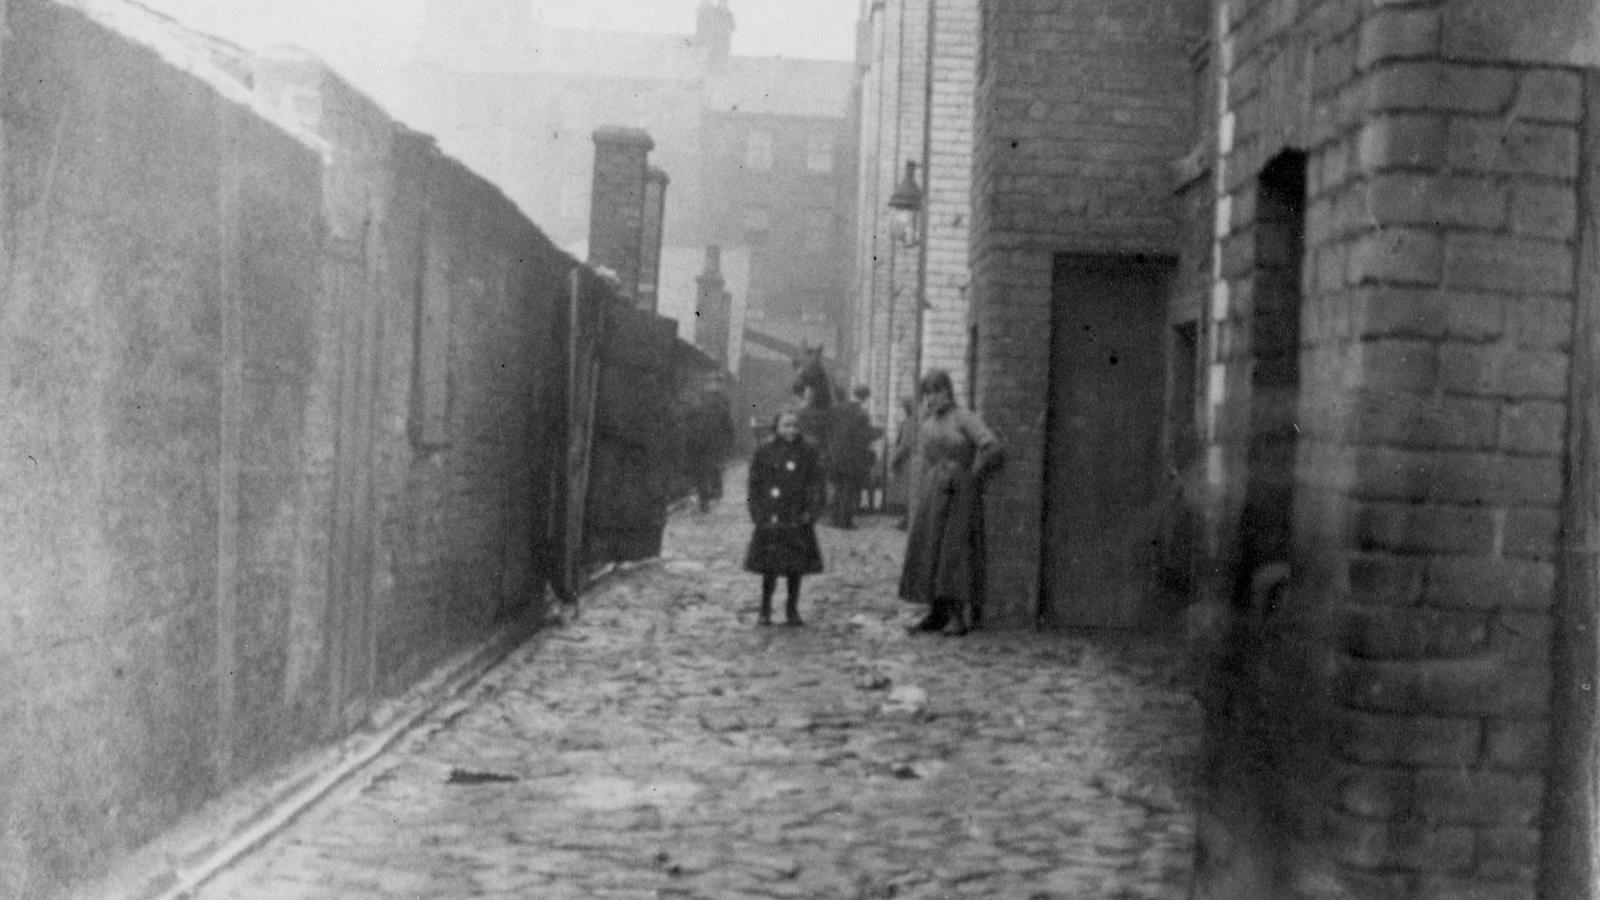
x: 759, y: 150
x: 1334, y: 260
x: 778, y: 177
x: 1080, y: 116
x: 911, y: 287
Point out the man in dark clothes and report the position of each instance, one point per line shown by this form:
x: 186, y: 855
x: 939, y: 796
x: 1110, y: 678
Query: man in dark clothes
x: 849, y: 457
x: 709, y: 437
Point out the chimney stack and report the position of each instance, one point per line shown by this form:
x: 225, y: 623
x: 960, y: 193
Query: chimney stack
x: 713, y: 309
x: 713, y: 32
x: 655, y: 210
x: 617, y: 203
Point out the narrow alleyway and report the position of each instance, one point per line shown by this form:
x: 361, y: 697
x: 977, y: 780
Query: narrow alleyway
x: 664, y: 746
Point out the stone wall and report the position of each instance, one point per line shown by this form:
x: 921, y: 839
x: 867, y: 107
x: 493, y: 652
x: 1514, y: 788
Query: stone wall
x: 287, y: 394
x: 630, y: 487
x: 127, y: 181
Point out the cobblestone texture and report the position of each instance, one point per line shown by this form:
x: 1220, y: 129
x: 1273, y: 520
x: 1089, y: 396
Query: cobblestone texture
x: 662, y: 745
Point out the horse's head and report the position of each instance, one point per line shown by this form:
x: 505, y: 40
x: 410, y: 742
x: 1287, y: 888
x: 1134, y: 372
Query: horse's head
x: 811, y: 373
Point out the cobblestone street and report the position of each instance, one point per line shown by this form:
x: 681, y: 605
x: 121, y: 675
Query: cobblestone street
x: 663, y: 745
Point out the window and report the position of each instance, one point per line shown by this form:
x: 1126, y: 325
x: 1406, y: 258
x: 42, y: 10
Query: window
x: 819, y: 153
x: 758, y: 150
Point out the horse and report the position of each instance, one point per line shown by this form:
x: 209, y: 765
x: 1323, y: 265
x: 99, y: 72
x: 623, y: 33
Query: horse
x: 809, y: 372
x: 815, y: 390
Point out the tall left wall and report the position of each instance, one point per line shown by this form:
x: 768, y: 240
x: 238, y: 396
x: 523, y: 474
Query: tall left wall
x: 111, y: 334
x: 282, y: 406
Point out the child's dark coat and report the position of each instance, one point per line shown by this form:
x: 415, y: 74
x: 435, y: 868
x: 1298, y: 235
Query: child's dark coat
x: 785, y: 495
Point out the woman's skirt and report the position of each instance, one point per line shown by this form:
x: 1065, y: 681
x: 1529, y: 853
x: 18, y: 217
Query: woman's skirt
x: 944, y: 548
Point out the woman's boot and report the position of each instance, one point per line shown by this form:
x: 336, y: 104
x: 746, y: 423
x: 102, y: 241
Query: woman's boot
x: 960, y: 619
x: 938, y: 616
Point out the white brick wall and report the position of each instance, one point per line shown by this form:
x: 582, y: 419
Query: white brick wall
x: 898, y: 337
x: 949, y: 190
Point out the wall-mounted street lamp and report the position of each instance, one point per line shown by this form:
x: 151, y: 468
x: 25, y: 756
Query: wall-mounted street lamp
x: 906, y: 203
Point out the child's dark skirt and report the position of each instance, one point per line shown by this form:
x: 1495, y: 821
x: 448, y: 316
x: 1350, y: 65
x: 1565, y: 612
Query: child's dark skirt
x: 778, y: 549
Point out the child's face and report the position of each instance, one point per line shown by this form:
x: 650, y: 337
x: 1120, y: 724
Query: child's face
x: 788, y: 426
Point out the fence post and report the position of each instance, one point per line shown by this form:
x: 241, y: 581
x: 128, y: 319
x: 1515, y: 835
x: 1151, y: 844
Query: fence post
x: 583, y: 377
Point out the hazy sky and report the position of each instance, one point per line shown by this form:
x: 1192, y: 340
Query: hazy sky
x: 384, y: 31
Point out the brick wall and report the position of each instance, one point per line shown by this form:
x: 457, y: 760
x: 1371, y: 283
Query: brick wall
x: 905, y: 319
x: 948, y: 197
x: 871, y: 230
x: 1080, y: 108
x: 911, y: 312
x: 1399, y: 688
x: 887, y: 145
x: 893, y: 133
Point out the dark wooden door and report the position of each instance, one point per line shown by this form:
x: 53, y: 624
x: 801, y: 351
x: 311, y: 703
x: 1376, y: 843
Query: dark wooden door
x: 1102, y: 443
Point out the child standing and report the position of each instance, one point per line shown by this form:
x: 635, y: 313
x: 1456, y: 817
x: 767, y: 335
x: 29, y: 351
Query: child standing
x: 785, y: 495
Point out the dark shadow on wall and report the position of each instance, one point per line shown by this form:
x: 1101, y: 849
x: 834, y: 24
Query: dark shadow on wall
x: 1253, y: 692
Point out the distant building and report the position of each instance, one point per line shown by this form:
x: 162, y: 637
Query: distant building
x: 759, y: 150
x: 778, y: 176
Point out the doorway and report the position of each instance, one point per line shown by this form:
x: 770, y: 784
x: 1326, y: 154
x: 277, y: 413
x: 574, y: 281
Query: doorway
x: 1267, y: 520
x: 1103, y: 431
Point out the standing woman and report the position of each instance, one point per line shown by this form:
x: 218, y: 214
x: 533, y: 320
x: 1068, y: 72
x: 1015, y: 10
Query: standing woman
x: 944, y: 549
x: 786, y: 492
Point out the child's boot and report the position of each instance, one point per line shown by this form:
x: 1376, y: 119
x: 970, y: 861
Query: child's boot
x: 766, y: 611
x: 791, y: 612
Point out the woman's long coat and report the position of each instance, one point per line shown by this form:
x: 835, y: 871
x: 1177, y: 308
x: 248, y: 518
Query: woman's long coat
x: 786, y: 492
x: 944, y: 549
